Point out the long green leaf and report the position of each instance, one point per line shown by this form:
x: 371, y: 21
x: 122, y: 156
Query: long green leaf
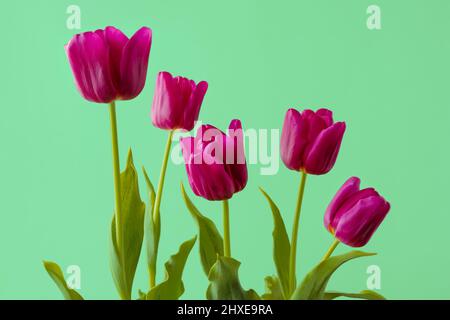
x: 57, y: 276
x: 281, y: 245
x: 210, y: 240
x: 224, y: 282
x: 315, y: 282
x: 124, y: 258
x: 273, y: 289
x: 152, y: 228
x: 172, y: 287
x: 365, y: 294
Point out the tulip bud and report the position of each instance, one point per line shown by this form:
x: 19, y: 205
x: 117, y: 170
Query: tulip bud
x: 108, y: 66
x: 354, y: 215
x: 215, y: 162
x: 177, y: 102
x: 310, y: 141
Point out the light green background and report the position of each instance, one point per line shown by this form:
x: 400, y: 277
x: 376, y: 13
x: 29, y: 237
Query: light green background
x: 259, y: 57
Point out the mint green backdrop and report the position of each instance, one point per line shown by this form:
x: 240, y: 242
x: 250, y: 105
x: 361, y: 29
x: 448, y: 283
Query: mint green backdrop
x: 260, y: 57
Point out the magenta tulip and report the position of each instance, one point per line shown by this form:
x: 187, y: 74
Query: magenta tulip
x: 215, y: 162
x: 108, y: 66
x: 310, y: 141
x: 353, y: 215
x: 177, y: 102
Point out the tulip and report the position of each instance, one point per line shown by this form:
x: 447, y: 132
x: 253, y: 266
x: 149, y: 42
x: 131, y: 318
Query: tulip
x: 177, y: 102
x: 176, y: 105
x: 212, y: 173
x: 216, y: 167
x: 354, y: 215
x: 310, y: 141
x: 108, y: 66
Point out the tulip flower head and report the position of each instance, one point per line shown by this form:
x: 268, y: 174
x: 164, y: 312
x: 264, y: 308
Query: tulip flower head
x: 354, y: 215
x: 177, y: 102
x: 215, y: 162
x: 310, y: 141
x: 108, y: 66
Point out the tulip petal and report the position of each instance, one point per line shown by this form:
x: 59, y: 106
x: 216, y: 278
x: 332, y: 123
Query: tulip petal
x: 210, y: 181
x: 163, y: 115
x: 116, y: 42
x: 316, y: 122
x: 357, y: 226
x: 323, y: 153
x: 350, y: 187
x: 192, y: 110
x: 239, y: 175
x: 292, y: 143
x: 208, y: 134
x: 210, y: 175
x: 133, y: 67
x: 177, y: 101
x: 326, y: 115
x: 235, y: 145
x: 182, y: 89
x: 187, y: 148
x: 235, y: 124
x: 350, y: 202
x: 89, y: 60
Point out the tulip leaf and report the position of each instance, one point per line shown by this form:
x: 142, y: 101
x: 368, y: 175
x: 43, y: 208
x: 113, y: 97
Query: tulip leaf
x: 124, y: 257
x: 315, y: 282
x: 365, y: 295
x: 172, y: 287
x: 224, y: 282
x: 57, y: 276
x: 281, y: 246
x: 273, y: 289
x: 152, y: 227
x: 210, y: 240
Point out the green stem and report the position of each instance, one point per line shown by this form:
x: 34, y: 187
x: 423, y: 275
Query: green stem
x: 226, y: 229
x: 330, y: 250
x: 116, y: 169
x: 117, y: 187
x: 293, y: 253
x: 156, y: 214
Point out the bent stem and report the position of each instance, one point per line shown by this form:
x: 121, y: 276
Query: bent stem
x: 116, y: 170
x: 293, y: 253
x: 226, y: 229
x: 330, y: 250
x: 156, y: 215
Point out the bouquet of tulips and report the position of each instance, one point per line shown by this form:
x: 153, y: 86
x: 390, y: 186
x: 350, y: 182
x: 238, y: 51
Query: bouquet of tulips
x: 109, y: 67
